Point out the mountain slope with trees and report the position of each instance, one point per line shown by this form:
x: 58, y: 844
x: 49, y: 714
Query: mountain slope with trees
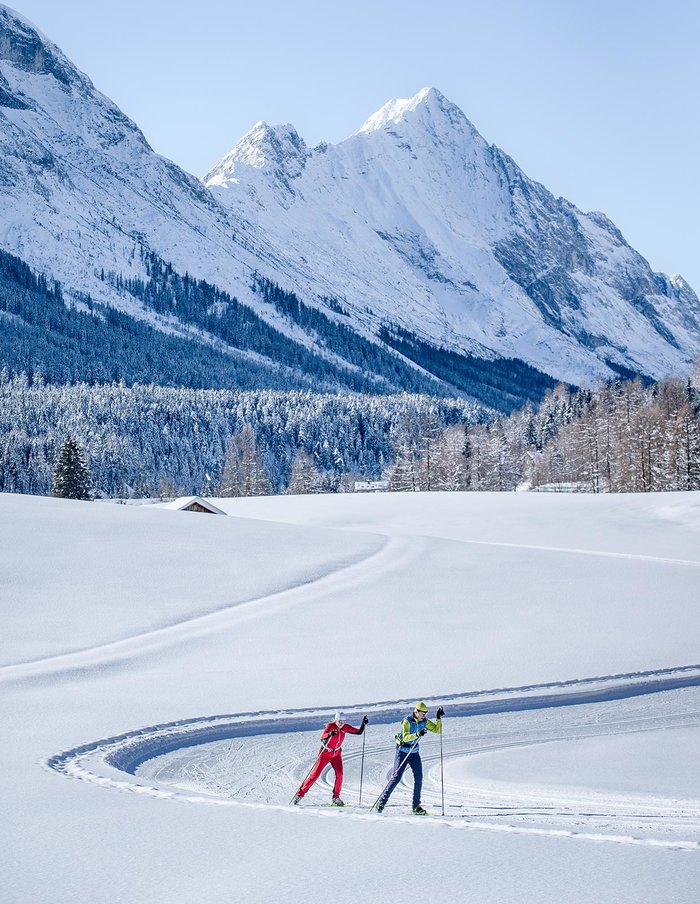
x: 412, y: 245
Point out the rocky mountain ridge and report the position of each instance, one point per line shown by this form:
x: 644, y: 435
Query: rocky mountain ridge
x: 414, y: 227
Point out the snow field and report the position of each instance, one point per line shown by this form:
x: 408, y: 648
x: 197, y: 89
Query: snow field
x: 352, y: 599
x: 135, y: 570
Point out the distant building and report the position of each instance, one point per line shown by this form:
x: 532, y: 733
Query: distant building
x: 581, y: 486
x: 371, y: 486
x: 193, y: 504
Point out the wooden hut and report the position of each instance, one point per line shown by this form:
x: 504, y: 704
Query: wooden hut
x: 193, y: 504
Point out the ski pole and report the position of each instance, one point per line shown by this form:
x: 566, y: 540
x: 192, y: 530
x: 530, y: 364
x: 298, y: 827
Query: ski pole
x: 442, y: 774
x: 362, y: 765
x: 305, y: 777
x: 396, y: 772
x: 324, y: 747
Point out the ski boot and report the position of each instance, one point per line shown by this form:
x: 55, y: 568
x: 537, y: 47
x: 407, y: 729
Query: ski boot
x: 419, y: 811
x: 296, y: 799
x: 337, y: 802
x: 380, y: 806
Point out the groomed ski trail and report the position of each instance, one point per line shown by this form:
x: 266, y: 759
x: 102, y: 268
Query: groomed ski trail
x: 253, y: 759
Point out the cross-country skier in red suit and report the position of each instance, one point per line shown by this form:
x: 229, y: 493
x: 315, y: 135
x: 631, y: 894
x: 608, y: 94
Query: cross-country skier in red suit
x: 331, y: 755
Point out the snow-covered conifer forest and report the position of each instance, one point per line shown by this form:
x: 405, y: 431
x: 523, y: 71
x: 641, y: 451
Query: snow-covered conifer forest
x: 159, y: 441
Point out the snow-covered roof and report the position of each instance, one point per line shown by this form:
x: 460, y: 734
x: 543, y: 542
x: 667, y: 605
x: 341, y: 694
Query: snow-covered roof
x: 184, y: 502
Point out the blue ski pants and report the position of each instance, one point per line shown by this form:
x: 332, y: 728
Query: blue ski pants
x: 401, y: 761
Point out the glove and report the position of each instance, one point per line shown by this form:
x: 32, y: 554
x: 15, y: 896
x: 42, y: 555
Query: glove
x: 365, y: 720
x: 440, y: 712
x: 423, y: 731
x: 333, y: 733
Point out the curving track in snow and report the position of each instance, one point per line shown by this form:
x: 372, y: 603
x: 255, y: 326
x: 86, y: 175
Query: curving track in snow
x: 258, y: 759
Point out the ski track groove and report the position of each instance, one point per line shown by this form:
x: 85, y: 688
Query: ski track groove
x: 154, y: 641
x: 114, y: 762
x: 393, y: 549
x: 603, y: 554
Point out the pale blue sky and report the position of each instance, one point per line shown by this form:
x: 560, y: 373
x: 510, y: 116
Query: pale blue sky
x: 597, y: 100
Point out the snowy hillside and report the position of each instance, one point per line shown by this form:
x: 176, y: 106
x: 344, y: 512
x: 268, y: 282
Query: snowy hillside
x: 406, y: 248
x: 161, y: 701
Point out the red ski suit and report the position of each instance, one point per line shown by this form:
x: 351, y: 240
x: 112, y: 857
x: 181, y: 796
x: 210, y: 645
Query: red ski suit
x: 330, y: 755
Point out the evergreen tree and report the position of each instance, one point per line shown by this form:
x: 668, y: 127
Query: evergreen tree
x: 71, y: 478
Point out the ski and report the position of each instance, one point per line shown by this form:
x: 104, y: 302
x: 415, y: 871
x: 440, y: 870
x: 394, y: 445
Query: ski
x: 331, y: 806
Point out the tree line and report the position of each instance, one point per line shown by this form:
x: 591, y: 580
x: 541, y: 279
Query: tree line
x: 622, y: 437
x: 161, y: 441
x: 626, y: 436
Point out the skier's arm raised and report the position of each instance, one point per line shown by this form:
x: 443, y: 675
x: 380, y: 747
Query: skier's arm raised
x: 436, y: 727
x: 352, y: 730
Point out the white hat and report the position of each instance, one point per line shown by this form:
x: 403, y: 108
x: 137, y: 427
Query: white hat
x: 339, y: 716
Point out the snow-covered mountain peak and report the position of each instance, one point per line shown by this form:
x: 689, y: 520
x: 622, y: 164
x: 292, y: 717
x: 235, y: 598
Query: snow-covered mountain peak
x: 265, y: 144
x: 278, y: 150
x: 428, y: 106
x: 12, y: 15
x: 417, y: 204
x: 427, y: 241
x: 36, y: 76
x: 23, y: 45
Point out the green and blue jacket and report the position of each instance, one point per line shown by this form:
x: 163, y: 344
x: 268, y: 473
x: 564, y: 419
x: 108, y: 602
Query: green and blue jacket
x: 410, y: 732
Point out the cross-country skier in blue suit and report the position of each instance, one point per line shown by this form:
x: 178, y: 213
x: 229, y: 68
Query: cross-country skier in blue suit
x: 407, y: 753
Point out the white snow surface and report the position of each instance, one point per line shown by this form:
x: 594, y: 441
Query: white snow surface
x: 165, y: 675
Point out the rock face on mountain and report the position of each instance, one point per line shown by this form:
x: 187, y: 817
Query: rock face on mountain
x: 413, y: 234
